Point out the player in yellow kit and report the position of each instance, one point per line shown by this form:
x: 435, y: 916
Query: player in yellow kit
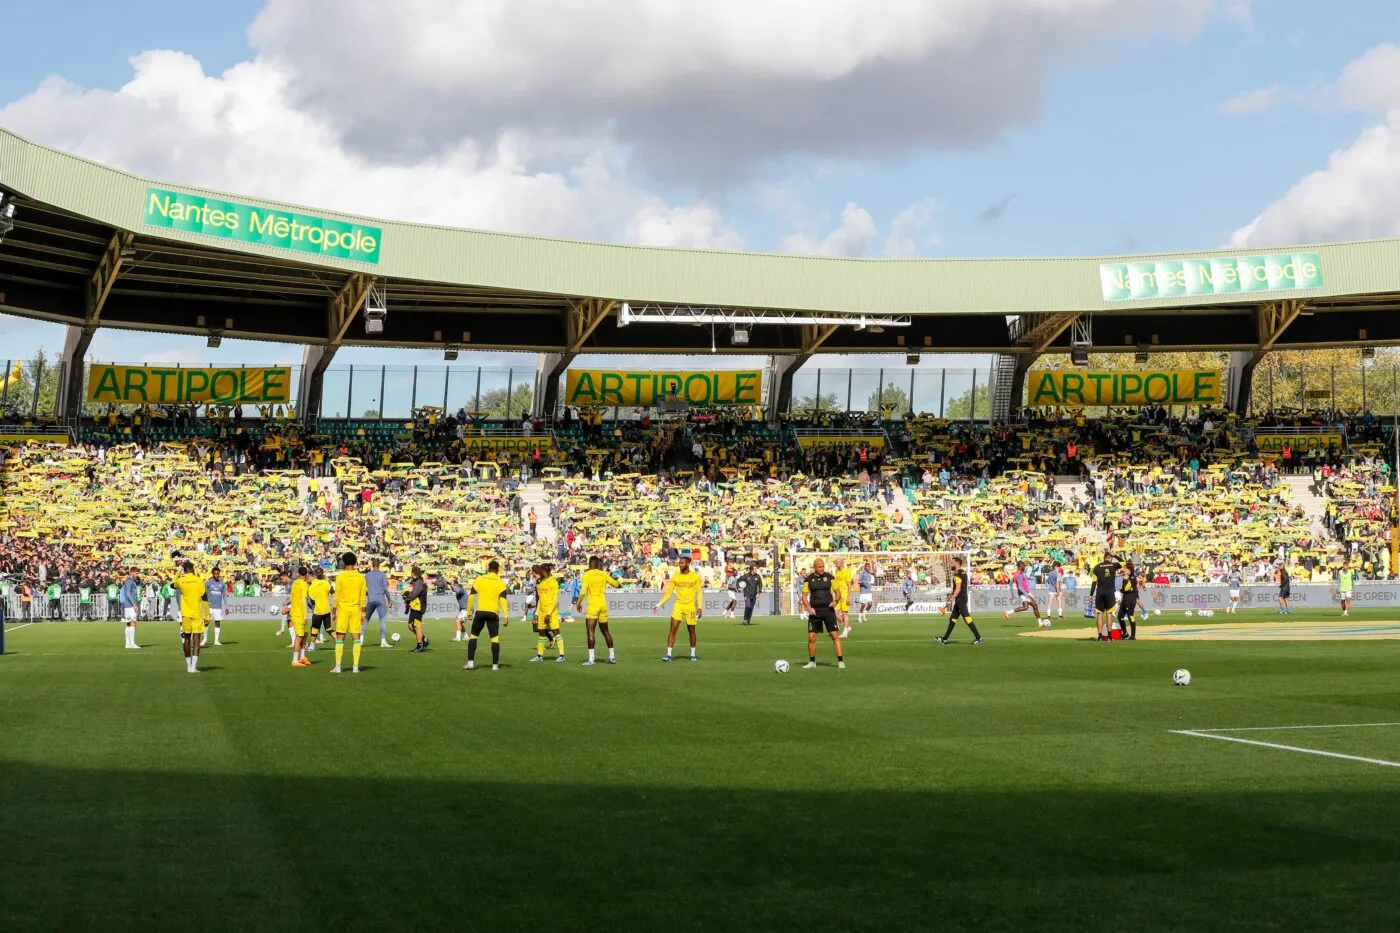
x: 487, y: 606
x: 296, y: 616
x: 319, y: 591
x: 350, y: 592
x: 685, y: 585
x: 841, y: 589
x: 547, y: 614
x: 193, y: 595
x: 594, y: 587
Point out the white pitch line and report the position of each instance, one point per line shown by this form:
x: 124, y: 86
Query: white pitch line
x: 1340, y: 725
x: 1288, y: 748
x: 18, y: 627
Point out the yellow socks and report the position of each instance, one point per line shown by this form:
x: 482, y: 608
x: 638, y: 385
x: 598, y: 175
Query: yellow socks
x: 539, y: 647
x: 339, y: 652
x: 355, y: 653
x: 559, y: 644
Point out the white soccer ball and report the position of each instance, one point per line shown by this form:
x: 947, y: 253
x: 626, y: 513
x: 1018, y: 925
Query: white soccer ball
x: 1182, y: 678
x: 780, y: 666
x: 1044, y: 623
x: 395, y: 638
x: 1156, y: 612
x: 275, y: 610
x: 1189, y: 613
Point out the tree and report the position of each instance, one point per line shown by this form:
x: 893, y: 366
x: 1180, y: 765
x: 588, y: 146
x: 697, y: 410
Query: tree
x: 804, y: 405
x: 496, y: 405
x: 959, y: 408
x: 370, y: 413
x: 19, y: 396
x: 894, y: 398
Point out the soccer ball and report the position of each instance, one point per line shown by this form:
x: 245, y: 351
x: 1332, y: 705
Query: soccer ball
x: 780, y: 666
x: 1182, y: 678
x: 395, y: 638
x: 275, y: 611
x: 1156, y: 612
x: 1189, y: 613
x: 1044, y: 623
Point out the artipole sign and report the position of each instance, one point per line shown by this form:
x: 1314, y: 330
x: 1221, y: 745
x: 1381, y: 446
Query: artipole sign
x: 642, y: 389
x: 1074, y: 388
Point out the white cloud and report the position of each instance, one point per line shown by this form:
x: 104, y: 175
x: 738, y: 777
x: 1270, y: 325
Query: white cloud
x: 697, y: 89
x: 1261, y: 98
x: 909, y: 231
x: 1372, y: 82
x: 852, y: 237
x: 242, y: 132
x: 857, y: 231
x: 1357, y: 194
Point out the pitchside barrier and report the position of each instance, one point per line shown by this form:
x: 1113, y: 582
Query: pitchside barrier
x: 626, y: 604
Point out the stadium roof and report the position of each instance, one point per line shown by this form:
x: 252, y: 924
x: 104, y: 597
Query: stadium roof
x: 96, y: 246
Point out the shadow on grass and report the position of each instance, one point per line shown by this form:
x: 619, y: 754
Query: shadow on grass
x: 109, y: 851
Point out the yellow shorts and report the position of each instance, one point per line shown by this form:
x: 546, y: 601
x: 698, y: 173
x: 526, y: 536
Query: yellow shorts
x: 601, y: 617
x: 299, y: 625
x: 684, y: 615
x: 193, y: 626
x: 550, y: 621
x: 349, y: 622
x: 843, y: 604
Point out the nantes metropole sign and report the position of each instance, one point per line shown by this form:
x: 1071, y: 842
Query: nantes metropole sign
x: 1220, y: 275
x: 249, y: 223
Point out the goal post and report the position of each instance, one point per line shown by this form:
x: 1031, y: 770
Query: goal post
x: 932, y: 577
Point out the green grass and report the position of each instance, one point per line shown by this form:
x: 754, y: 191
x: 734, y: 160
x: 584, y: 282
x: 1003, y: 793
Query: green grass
x: 1027, y: 784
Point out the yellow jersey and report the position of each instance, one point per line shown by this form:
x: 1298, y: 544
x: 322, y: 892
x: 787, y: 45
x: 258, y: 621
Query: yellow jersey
x: 320, y: 593
x: 297, y: 611
x: 349, y: 590
x: 686, y: 586
x: 594, y: 587
x: 191, y: 590
x: 489, y: 591
x: 841, y: 583
x: 548, y: 592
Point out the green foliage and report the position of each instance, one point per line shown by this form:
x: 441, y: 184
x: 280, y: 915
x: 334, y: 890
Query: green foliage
x: 522, y: 398
x: 805, y: 404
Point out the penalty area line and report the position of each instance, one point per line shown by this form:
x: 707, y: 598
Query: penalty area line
x: 16, y: 628
x: 1287, y: 748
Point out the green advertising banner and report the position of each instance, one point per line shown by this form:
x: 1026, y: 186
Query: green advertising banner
x: 619, y: 387
x: 162, y: 385
x: 1077, y: 388
x: 249, y: 224
x: 1189, y: 278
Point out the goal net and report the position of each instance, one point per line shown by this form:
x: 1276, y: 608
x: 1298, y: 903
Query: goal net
x: 930, y: 572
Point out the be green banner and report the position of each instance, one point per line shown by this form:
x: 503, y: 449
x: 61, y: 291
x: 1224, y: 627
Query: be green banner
x: 167, y: 385
x: 251, y: 224
x: 1225, y: 275
x: 1074, y: 388
x: 1298, y: 443
x: 607, y: 387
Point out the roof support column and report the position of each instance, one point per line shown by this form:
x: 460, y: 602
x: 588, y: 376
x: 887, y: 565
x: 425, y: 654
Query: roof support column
x: 1271, y: 320
x: 785, y: 367
x: 341, y: 311
x: 547, y: 372
x: 79, y: 338
x: 584, y: 317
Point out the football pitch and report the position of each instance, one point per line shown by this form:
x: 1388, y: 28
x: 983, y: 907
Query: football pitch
x: 1028, y: 784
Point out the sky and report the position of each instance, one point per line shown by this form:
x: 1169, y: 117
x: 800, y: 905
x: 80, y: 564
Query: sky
x: 875, y: 128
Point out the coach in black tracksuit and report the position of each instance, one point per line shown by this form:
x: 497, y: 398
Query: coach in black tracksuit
x: 819, y: 603
x: 750, y: 584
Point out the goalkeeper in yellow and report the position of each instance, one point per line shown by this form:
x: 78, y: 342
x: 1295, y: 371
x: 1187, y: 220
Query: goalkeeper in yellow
x: 194, y: 597
x: 547, y: 614
x: 595, y: 585
x: 349, y: 612
x: 841, y: 588
x: 688, y: 589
